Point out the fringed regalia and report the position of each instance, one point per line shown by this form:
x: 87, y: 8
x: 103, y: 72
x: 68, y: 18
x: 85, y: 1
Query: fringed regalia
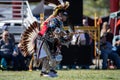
x: 49, y: 39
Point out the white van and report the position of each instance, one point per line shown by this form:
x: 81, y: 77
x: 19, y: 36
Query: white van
x: 14, y: 26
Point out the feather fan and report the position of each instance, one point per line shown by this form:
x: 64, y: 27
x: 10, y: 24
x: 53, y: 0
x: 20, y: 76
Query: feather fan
x: 28, y: 39
x: 30, y: 34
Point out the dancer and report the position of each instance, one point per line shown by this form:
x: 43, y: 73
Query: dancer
x: 51, y: 34
x: 50, y: 39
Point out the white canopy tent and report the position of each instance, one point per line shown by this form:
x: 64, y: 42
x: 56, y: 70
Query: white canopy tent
x: 42, y: 8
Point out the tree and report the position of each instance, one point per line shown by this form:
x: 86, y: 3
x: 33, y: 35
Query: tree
x: 101, y: 7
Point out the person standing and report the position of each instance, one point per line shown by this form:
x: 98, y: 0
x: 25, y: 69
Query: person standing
x: 53, y: 31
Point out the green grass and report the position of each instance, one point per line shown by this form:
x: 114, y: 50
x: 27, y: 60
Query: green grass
x: 62, y: 75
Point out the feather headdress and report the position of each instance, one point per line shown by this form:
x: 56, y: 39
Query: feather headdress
x: 30, y: 34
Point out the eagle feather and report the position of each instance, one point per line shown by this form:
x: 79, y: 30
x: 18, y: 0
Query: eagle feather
x: 30, y: 34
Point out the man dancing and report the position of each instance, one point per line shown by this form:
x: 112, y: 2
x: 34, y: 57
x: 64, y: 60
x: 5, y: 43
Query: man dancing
x: 50, y: 39
x: 51, y: 33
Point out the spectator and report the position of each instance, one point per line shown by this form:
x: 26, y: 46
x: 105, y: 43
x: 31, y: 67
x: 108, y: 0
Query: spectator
x: 6, y: 49
x: 107, y: 52
x: 18, y: 58
x: 89, y: 42
x: 116, y: 40
x: 81, y: 38
x: 87, y: 32
x: 105, y: 29
x: 11, y: 36
x: 74, y: 38
x: 116, y: 43
x: 85, y: 22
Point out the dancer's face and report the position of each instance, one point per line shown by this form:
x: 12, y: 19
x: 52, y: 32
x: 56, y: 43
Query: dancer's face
x: 63, y: 17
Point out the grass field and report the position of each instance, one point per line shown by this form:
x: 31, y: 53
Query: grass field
x: 62, y: 75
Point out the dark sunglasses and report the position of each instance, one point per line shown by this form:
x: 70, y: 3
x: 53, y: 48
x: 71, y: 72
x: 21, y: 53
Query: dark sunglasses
x: 6, y: 35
